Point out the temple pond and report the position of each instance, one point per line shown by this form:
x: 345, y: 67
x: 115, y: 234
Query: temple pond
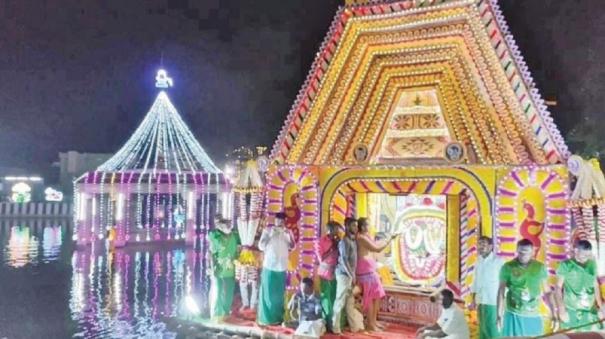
x: 50, y: 289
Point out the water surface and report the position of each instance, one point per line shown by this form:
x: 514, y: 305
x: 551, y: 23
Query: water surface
x: 50, y: 289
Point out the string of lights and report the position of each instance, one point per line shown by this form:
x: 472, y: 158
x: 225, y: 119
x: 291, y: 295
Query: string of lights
x: 161, y: 143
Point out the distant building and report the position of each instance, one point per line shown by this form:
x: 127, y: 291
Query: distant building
x: 72, y: 164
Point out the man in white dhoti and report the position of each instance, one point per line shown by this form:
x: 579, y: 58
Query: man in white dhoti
x: 451, y: 323
x: 306, y: 307
x: 484, y: 290
x: 275, y: 242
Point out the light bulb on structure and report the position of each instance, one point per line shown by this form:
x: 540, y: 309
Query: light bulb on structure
x: 191, y: 305
x: 229, y: 171
x: 162, y: 80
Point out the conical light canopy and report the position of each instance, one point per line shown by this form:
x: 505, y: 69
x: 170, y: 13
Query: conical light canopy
x: 162, y: 142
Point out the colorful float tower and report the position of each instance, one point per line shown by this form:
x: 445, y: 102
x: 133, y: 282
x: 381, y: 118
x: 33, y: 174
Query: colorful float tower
x: 422, y: 116
x: 588, y: 208
x: 249, y: 191
x: 160, y: 186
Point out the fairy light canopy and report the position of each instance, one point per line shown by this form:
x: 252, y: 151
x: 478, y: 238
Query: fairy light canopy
x: 162, y: 142
x: 160, y: 186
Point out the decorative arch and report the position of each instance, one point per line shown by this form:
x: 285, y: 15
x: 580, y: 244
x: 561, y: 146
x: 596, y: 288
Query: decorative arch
x: 474, y: 180
x: 282, y: 183
x: 531, y: 202
x: 475, y: 200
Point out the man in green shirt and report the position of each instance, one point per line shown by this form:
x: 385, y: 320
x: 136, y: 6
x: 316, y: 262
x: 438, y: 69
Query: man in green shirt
x: 577, y: 290
x: 223, y: 248
x: 525, y: 281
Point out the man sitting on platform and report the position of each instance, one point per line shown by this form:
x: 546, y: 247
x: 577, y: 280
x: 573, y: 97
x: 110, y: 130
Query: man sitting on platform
x: 307, y: 307
x: 525, y: 281
x: 577, y: 290
x: 451, y: 323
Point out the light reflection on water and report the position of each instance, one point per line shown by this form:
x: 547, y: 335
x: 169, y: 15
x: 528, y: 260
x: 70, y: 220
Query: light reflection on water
x: 24, y: 244
x: 122, y: 293
x: 22, y: 247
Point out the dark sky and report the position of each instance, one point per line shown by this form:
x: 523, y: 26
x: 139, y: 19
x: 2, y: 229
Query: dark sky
x: 78, y: 74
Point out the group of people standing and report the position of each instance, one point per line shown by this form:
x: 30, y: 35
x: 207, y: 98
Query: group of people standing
x: 347, y: 270
x: 506, y: 295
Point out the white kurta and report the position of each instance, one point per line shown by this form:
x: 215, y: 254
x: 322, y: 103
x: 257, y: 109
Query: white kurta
x: 487, y: 279
x: 275, y: 243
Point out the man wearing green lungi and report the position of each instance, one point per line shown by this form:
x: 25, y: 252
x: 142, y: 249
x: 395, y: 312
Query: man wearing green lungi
x: 276, y: 243
x: 484, y: 290
x: 577, y: 290
x: 223, y: 248
x: 525, y: 281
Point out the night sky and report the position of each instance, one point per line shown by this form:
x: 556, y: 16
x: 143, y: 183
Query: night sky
x: 79, y: 75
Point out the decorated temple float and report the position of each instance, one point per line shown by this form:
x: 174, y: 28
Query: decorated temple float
x: 161, y: 186
x: 422, y: 116
x: 249, y: 218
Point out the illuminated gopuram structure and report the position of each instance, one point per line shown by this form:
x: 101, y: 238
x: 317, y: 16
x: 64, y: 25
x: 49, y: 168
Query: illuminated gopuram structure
x: 160, y: 186
x: 422, y: 116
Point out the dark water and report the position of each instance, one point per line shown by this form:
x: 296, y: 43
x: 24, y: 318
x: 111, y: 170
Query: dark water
x: 50, y: 289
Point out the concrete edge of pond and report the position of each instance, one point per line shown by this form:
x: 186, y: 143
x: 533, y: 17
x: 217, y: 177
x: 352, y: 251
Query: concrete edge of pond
x: 222, y: 330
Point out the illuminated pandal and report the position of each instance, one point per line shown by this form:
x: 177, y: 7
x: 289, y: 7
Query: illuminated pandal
x: 158, y: 187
